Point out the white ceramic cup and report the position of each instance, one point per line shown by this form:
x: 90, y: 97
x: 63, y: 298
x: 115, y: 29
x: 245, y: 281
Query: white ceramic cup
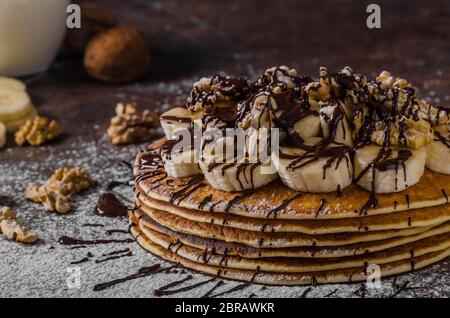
x: 31, y: 33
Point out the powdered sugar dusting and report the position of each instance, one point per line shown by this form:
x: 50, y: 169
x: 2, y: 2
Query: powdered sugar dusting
x: 42, y: 270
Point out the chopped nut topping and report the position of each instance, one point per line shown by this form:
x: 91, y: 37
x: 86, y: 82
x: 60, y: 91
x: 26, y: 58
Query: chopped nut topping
x: 37, y: 131
x: 12, y: 229
x: 387, y: 81
x: 54, y: 195
x: 404, y: 132
x: 217, y: 91
x: 130, y: 126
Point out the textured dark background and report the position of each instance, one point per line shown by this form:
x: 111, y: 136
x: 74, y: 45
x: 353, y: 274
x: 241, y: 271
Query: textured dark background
x: 190, y: 39
x: 194, y: 38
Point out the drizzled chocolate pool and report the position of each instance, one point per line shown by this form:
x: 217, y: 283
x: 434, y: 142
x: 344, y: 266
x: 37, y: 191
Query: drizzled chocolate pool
x: 289, y: 180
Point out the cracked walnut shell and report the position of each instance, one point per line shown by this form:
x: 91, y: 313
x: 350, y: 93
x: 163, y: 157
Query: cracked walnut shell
x: 37, y: 131
x: 130, y: 126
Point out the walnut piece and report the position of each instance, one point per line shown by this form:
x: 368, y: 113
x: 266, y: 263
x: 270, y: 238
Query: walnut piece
x: 130, y: 126
x: 387, y: 81
x: 217, y: 91
x: 54, y: 195
x: 405, y: 132
x: 37, y: 131
x: 118, y: 55
x: 12, y: 229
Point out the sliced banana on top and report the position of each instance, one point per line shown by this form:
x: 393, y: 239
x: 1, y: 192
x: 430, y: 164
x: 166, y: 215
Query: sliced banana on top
x: 317, y: 167
x: 9, y: 83
x: 438, y: 151
x: 2, y: 134
x: 388, y: 170
x: 308, y: 126
x: 177, y: 118
x: 179, y: 163
x: 227, y: 172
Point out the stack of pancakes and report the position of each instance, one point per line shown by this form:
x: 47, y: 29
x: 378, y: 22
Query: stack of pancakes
x: 275, y: 235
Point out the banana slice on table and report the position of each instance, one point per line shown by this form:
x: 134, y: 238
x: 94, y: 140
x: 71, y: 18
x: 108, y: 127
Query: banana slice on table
x: 14, y: 104
x: 177, y: 118
x: 179, y: 163
x: 387, y: 170
x: 438, y: 151
x: 2, y: 134
x: 9, y: 83
x: 334, y: 121
x: 319, y: 167
x: 226, y: 172
x: 14, y: 125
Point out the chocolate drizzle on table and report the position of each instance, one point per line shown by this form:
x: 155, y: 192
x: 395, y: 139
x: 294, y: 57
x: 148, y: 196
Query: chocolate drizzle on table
x: 66, y: 240
x: 108, y: 205
x: 142, y: 272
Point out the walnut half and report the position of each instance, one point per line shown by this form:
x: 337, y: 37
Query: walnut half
x: 37, y: 131
x: 12, y: 229
x: 54, y: 195
x: 130, y: 126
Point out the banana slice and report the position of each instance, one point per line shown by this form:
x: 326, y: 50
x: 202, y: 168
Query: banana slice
x: 14, y: 125
x: 387, y: 170
x: 308, y: 126
x: 228, y: 173
x: 8, y: 83
x: 177, y: 118
x: 319, y: 167
x: 14, y: 104
x: 334, y: 121
x: 438, y: 151
x: 2, y: 134
x: 179, y: 163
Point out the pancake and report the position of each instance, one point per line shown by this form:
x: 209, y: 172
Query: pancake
x: 294, y: 265
x: 275, y: 200
x: 237, y: 249
x: 273, y: 278
x: 398, y: 220
x: 272, y: 240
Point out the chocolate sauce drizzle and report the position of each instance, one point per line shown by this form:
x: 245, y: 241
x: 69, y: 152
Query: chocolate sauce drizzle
x: 126, y: 254
x: 213, y: 289
x: 142, y: 272
x: 167, y: 292
x: 108, y: 205
x: 323, y: 202
x: 283, y: 205
x: 115, y: 231
x: 158, y: 292
x: 66, y: 240
x: 305, y: 293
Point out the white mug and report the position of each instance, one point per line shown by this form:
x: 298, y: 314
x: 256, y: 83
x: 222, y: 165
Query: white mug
x: 31, y: 33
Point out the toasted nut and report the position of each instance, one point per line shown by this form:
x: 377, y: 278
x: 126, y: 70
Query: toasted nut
x: 217, y: 91
x: 130, y: 126
x: 387, y: 81
x: 119, y: 55
x: 69, y: 181
x: 12, y: 229
x: 405, y: 132
x: 54, y: 195
x: 7, y: 213
x: 37, y: 131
